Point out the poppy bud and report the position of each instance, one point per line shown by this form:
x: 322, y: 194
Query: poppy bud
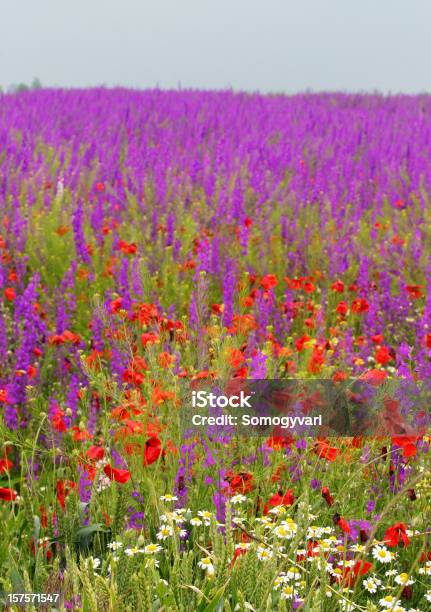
x: 341, y: 522
x: 363, y: 536
x: 327, y: 496
x: 407, y: 592
x: 411, y: 494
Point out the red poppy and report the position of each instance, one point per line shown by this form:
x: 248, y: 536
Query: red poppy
x: 360, y: 305
x: 300, y: 342
x: 383, y: 355
x: 58, y: 421
x: 395, y: 534
x: 338, y: 286
x: 121, y: 476
x: 278, y: 442
x: 374, y: 377
x: 63, y: 489
x: 240, y: 483
x: 10, y: 294
x: 359, y: 569
x: 5, y: 465
x: 269, y: 281
x: 407, y: 443
x: 149, y: 338
x: 236, y: 357
x: 309, y: 287
x: 128, y: 249
x: 342, y: 308
x: 317, y: 360
x: 80, y: 435
x: 7, y: 494
x: 95, y: 453
x: 279, y: 499
x: 324, y: 451
x: 414, y: 291
x: 239, y: 550
x: 339, y: 376
x: 153, y: 449
x: 116, y: 305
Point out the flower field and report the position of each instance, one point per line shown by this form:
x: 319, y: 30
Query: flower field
x: 154, y: 241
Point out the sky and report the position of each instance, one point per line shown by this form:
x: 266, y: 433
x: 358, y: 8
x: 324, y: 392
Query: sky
x: 252, y: 45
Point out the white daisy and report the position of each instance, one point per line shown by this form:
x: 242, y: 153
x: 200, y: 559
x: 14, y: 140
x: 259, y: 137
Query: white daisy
x: 382, y: 554
x: 263, y: 554
x: 169, y: 498
x: 165, y: 531
x: 403, y: 579
x: 207, y: 565
x: 133, y: 550
x: 152, y: 549
x: 371, y: 584
x: 287, y: 592
x: 238, y: 499
x: 389, y: 602
x: 206, y: 516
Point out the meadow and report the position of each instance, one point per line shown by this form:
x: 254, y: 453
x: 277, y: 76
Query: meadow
x: 153, y: 241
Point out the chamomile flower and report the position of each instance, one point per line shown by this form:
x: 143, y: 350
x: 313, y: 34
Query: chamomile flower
x: 281, y: 531
x: 165, y: 531
x: 265, y: 520
x: 291, y: 527
x: 293, y: 574
x: 115, y: 545
x: 152, y: 549
x: 169, y: 498
x: 133, y: 550
x: 428, y: 595
x: 263, y: 554
x: 389, y: 602
x: 382, y: 554
x: 205, y: 516
x: 426, y: 570
x: 403, y: 579
x: 278, y: 510
x: 287, y: 592
x: 358, y: 548
x: 172, y: 517
x: 280, y: 580
x: 94, y: 562
x: 195, y: 521
x: 371, y: 584
x: 207, y: 565
x: 238, y: 499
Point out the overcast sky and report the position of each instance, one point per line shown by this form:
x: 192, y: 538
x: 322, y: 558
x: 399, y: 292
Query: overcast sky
x: 266, y: 45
